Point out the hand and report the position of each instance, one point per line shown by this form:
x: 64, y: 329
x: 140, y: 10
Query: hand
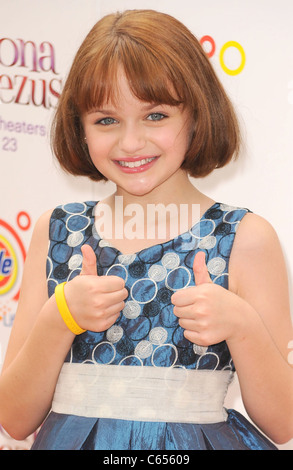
x: 208, y: 313
x: 94, y: 301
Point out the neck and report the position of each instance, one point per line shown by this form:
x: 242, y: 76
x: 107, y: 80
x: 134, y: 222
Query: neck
x: 181, y: 191
x: 160, y: 215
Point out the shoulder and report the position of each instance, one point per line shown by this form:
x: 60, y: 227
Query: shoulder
x: 42, y: 225
x: 43, y: 220
x: 256, y: 253
x: 255, y: 233
x: 38, y: 248
x: 33, y: 292
x: 41, y: 228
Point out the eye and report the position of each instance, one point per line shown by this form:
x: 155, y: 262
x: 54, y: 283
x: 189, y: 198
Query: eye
x: 106, y: 121
x: 156, y: 117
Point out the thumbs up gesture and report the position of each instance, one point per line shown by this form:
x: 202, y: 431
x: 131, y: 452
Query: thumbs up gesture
x: 89, y: 261
x: 206, y: 311
x: 95, y: 301
x: 200, y: 270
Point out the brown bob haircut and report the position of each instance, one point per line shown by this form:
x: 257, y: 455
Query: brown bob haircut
x: 155, y: 51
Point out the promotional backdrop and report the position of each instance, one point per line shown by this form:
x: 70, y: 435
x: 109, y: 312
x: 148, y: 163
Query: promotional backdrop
x: 249, y: 43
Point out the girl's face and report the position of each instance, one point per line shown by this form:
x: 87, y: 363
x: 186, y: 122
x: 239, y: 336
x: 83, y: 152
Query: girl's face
x: 139, y: 146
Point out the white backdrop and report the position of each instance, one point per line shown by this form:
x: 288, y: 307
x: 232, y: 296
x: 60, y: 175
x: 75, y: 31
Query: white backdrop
x: 251, y: 47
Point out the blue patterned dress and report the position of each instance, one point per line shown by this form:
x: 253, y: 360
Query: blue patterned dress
x: 145, y: 337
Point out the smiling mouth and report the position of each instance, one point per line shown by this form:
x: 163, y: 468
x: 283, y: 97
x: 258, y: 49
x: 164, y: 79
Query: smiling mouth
x: 136, y: 164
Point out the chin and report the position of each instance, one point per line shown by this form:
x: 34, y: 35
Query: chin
x: 139, y: 190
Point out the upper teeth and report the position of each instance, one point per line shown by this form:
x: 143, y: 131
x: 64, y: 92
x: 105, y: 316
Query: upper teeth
x: 137, y: 163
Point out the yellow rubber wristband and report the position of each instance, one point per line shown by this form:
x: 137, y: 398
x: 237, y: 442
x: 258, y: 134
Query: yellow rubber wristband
x: 64, y: 310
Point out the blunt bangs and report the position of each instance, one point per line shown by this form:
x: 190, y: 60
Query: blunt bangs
x: 143, y: 71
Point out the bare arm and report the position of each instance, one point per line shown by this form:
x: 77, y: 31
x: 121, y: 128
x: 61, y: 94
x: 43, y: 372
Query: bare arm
x: 258, y: 276
x: 40, y: 340
x: 253, y: 318
x: 37, y: 347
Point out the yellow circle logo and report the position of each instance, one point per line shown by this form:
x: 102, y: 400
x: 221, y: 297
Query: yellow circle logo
x: 237, y: 46
x: 8, y: 266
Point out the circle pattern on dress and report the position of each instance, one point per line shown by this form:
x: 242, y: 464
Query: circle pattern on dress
x: 147, y: 331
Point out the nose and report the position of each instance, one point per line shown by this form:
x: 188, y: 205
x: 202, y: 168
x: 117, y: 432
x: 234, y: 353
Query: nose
x: 132, y: 138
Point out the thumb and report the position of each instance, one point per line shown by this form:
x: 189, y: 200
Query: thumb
x: 200, y: 270
x: 89, y: 261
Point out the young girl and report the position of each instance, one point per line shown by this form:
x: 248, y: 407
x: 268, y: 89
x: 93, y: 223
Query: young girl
x: 130, y: 342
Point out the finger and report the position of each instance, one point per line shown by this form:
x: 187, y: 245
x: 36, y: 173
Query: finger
x: 185, y: 297
x: 109, y: 321
x: 110, y: 284
x: 200, y: 270
x: 187, y: 324
x: 89, y: 261
x: 183, y: 312
x: 115, y: 309
x: 195, y: 337
x: 115, y: 296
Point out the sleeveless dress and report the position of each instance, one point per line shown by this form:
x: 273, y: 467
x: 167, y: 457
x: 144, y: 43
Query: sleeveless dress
x: 141, y: 385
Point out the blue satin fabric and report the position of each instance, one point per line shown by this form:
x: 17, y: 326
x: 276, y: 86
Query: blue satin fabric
x: 62, y: 432
x: 147, y: 333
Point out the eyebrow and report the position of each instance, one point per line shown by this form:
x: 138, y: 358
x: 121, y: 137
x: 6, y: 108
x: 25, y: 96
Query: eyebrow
x: 146, y: 107
x: 102, y: 111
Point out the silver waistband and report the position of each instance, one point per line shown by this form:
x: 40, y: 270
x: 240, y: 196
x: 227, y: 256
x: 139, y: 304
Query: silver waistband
x: 142, y: 393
